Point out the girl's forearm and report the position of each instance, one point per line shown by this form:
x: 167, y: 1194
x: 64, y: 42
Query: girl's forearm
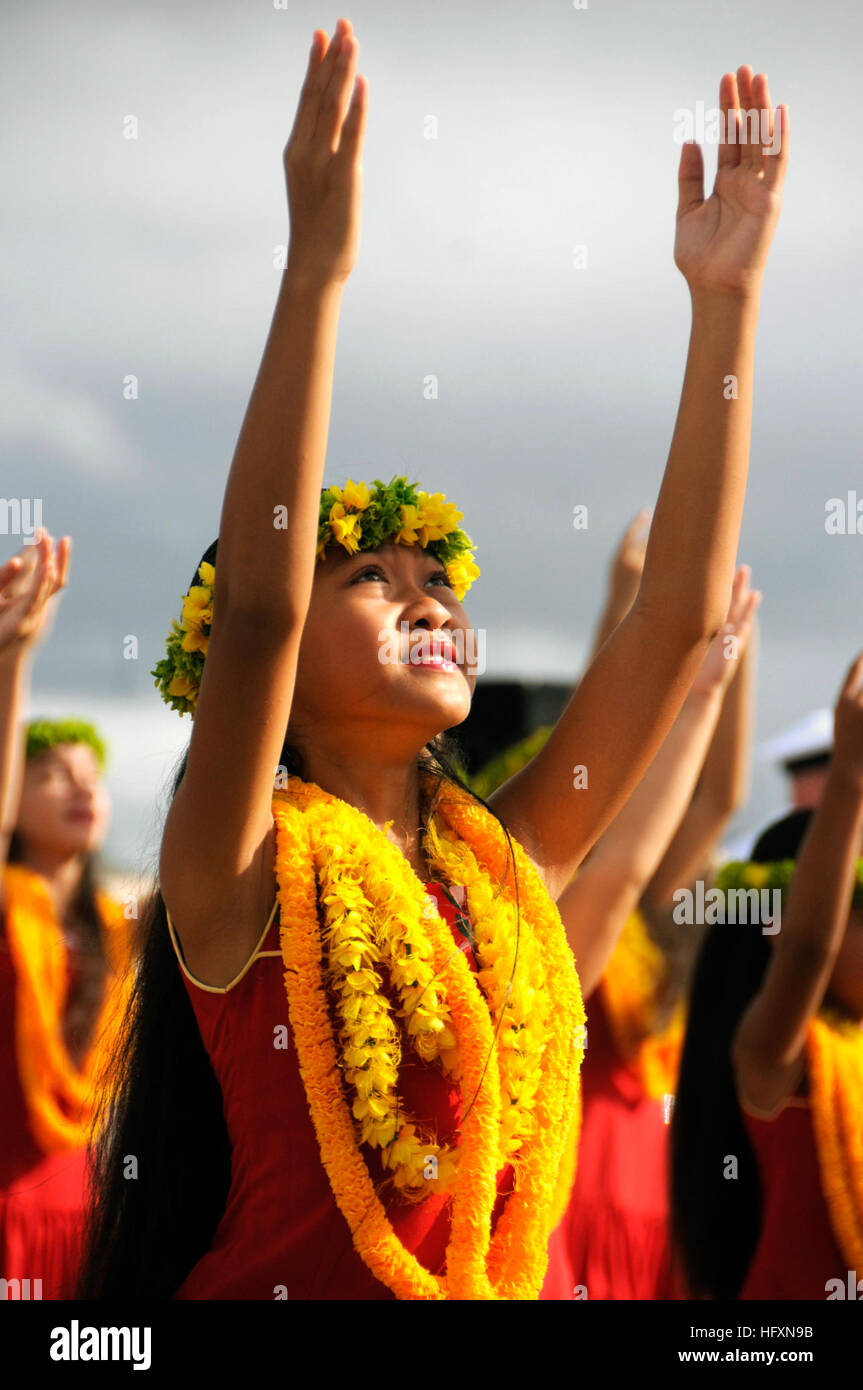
x: 612, y: 615
x: 595, y: 905
x: 820, y: 894
x: 725, y: 779
x: 691, y: 552
x: 14, y: 687
x: 641, y: 832
x: 264, y: 565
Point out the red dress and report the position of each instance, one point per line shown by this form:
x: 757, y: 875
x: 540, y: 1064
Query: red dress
x: 797, y: 1252
x: 41, y: 1195
x: 282, y: 1229
x: 613, y: 1241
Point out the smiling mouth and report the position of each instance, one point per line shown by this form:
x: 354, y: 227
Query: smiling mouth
x: 441, y: 663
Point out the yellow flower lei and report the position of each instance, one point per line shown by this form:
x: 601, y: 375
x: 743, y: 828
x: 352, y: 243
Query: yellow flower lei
x: 628, y: 987
x: 39, y: 956
x: 834, y: 1048
x: 310, y: 826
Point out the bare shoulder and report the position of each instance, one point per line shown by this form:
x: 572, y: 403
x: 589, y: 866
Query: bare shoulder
x: 761, y: 1087
x: 217, y: 921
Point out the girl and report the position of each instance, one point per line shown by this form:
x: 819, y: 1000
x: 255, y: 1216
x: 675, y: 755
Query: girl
x: 613, y: 1240
x: 767, y: 1160
x: 58, y: 949
x: 362, y: 1075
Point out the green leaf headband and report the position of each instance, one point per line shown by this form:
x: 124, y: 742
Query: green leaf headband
x: 47, y: 733
x: 357, y: 517
x: 778, y: 874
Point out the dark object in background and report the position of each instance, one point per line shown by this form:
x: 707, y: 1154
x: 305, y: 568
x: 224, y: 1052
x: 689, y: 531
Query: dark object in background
x: 502, y: 713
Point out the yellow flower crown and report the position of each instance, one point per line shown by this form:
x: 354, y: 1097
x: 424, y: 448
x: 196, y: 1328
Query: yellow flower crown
x: 357, y: 517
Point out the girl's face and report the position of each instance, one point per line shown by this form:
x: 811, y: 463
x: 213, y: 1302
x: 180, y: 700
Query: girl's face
x: 846, y: 982
x: 355, y: 671
x: 64, y: 806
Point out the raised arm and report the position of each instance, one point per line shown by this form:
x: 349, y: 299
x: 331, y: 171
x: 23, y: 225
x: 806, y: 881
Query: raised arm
x: 769, y: 1045
x: 596, y: 904
x: 216, y: 861
x: 722, y: 787
x: 624, y: 578
x: 625, y: 704
x: 27, y: 584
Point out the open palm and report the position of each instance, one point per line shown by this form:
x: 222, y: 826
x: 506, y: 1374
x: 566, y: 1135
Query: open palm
x: 722, y: 241
x: 27, y: 582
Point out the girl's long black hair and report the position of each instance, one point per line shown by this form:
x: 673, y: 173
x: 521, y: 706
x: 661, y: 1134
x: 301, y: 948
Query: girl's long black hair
x: 161, y: 1165
x: 716, y: 1220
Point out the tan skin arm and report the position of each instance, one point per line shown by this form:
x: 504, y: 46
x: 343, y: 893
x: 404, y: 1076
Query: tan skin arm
x: 768, y: 1052
x: 623, y: 708
x: 216, y: 866
x: 28, y: 583
x: 595, y: 906
x: 627, y: 567
x: 722, y: 788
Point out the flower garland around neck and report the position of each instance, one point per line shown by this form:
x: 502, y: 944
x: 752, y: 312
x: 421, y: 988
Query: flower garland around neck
x: 834, y: 1046
x: 510, y: 1036
x: 61, y: 1097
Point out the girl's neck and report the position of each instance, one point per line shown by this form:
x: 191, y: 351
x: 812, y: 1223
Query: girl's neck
x: 62, y: 873
x: 391, y: 795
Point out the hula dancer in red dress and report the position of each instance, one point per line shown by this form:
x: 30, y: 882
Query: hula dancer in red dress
x: 613, y: 1242
x: 59, y: 953
x: 335, y: 1102
x: 767, y: 1132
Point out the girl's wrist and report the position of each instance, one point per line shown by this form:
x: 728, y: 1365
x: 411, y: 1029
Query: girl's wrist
x: 714, y: 304
x: 846, y: 779
x: 16, y: 656
x: 311, y: 281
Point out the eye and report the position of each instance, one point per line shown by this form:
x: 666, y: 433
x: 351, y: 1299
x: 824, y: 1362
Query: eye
x: 440, y: 575
x: 369, y: 569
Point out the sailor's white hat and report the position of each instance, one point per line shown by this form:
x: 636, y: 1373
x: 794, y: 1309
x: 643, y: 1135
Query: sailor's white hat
x: 809, y: 737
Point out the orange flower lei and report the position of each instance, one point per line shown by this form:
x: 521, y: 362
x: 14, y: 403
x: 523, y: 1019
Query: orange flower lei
x: 834, y: 1048
x: 60, y: 1096
x: 629, y: 985
x: 510, y: 1263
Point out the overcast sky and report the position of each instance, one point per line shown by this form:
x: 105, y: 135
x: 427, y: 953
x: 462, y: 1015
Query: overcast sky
x: 557, y: 385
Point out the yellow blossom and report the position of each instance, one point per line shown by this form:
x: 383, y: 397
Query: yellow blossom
x: 346, y: 528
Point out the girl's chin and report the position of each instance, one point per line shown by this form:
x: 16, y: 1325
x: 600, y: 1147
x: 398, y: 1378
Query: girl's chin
x: 86, y: 842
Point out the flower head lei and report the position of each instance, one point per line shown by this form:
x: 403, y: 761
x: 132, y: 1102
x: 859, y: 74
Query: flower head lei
x: 359, y: 516
x: 743, y: 875
x: 43, y: 734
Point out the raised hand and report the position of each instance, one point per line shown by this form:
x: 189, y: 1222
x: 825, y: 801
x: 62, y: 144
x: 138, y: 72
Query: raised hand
x: 722, y: 241
x: 848, y: 724
x: 27, y: 582
x: 718, y: 667
x: 323, y: 160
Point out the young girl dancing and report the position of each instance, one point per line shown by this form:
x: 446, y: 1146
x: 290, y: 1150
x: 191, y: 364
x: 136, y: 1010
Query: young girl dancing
x: 613, y: 1241
x: 61, y: 950
x: 767, y: 1132
x: 333, y: 1090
